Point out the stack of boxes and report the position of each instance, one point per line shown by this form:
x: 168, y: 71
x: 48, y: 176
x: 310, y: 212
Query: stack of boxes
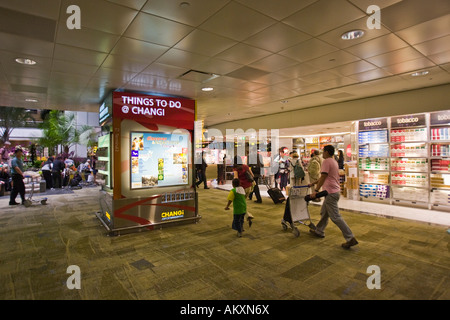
x: 351, y: 183
x: 440, y: 197
x: 374, y: 190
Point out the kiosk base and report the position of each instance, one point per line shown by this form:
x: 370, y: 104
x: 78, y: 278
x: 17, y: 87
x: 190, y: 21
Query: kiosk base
x: 134, y: 229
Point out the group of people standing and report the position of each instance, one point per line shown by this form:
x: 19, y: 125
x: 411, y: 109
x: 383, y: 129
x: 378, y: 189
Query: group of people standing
x: 53, y: 170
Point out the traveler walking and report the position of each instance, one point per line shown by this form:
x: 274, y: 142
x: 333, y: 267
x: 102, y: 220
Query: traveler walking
x: 256, y: 170
x: 18, y: 186
x: 58, y: 167
x: 47, y: 173
x: 329, y: 180
x: 237, y: 197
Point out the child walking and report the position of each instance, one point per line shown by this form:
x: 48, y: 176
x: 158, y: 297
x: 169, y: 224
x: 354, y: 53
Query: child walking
x: 237, y: 197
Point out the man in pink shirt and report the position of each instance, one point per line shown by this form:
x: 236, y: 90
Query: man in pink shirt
x: 329, y: 181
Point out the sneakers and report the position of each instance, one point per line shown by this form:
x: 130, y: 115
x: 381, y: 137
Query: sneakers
x: 239, y: 234
x: 350, y: 243
x: 13, y: 203
x: 314, y: 233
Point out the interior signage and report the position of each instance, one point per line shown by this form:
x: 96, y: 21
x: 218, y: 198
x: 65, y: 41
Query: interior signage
x: 442, y: 117
x: 408, y: 121
x: 103, y: 113
x: 171, y: 111
x: 372, y: 124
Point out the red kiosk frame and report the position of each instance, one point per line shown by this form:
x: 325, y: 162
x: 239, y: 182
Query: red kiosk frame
x: 134, y: 201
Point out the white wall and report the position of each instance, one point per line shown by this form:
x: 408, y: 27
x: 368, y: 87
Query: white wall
x: 407, y: 102
x: 83, y: 118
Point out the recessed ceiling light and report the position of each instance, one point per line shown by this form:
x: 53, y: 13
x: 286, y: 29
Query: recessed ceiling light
x: 207, y: 89
x: 31, y: 100
x: 420, y: 73
x: 353, y: 34
x: 184, y: 4
x: 25, y: 61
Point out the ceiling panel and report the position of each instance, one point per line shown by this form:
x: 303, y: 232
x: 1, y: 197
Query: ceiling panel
x: 138, y: 50
x: 352, y: 68
x: 237, y: 22
x: 279, y: 9
x: 192, y: 12
x: 47, y: 9
x: 86, y: 38
x: 26, y: 46
x: 157, y: 30
x: 308, y: 50
x: 408, y: 13
x: 323, y: 16
x: 409, y: 66
x: 273, y: 63
x: 333, y: 60
x: 425, y: 31
x: 109, y: 12
x: 133, y: 4
x: 394, y: 57
x: 380, y: 45
x: 78, y: 55
x: 277, y: 37
x: 242, y: 53
x: 205, y: 43
x: 434, y: 46
x: 265, y: 52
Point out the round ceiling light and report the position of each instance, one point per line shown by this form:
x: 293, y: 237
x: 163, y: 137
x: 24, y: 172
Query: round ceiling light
x: 352, y: 35
x: 26, y: 61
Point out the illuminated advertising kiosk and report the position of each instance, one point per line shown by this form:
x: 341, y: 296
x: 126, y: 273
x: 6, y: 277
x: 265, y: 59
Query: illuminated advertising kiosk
x: 147, y: 162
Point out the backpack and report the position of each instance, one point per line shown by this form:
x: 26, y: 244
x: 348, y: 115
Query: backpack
x: 299, y: 173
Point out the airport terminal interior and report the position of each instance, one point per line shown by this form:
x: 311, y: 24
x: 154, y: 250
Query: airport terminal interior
x: 165, y: 102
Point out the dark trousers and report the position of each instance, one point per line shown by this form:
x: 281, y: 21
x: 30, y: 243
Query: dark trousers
x: 202, y: 178
x: 283, y: 180
x: 238, y: 222
x: 18, y: 188
x: 48, y: 178
x: 256, y: 192
x: 56, y: 178
x: 287, y: 212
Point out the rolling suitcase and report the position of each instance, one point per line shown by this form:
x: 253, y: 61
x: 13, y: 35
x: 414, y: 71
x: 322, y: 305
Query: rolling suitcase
x: 275, y: 194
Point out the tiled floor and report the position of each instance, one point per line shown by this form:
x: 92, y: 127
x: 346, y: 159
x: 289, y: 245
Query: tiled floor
x: 206, y: 261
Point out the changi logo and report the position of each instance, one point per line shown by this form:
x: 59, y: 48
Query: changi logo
x: 125, y: 109
x: 407, y: 120
x: 172, y: 214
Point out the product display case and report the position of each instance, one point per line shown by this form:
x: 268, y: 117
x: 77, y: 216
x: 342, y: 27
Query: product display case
x: 409, y: 159
x: 440, y: 159
x: 405, y: 160
x: 373, y: 160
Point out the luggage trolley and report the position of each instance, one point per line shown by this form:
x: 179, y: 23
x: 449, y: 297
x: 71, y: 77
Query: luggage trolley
x: 296, y: 209
x: 29, y: 201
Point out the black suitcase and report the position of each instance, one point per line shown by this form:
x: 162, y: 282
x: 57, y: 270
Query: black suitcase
x: 275, y: 194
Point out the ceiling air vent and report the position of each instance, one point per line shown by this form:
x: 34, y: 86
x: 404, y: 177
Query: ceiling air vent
x: 198, y: 76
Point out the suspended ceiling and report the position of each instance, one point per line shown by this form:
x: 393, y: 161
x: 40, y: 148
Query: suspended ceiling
x: 260, y: 56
